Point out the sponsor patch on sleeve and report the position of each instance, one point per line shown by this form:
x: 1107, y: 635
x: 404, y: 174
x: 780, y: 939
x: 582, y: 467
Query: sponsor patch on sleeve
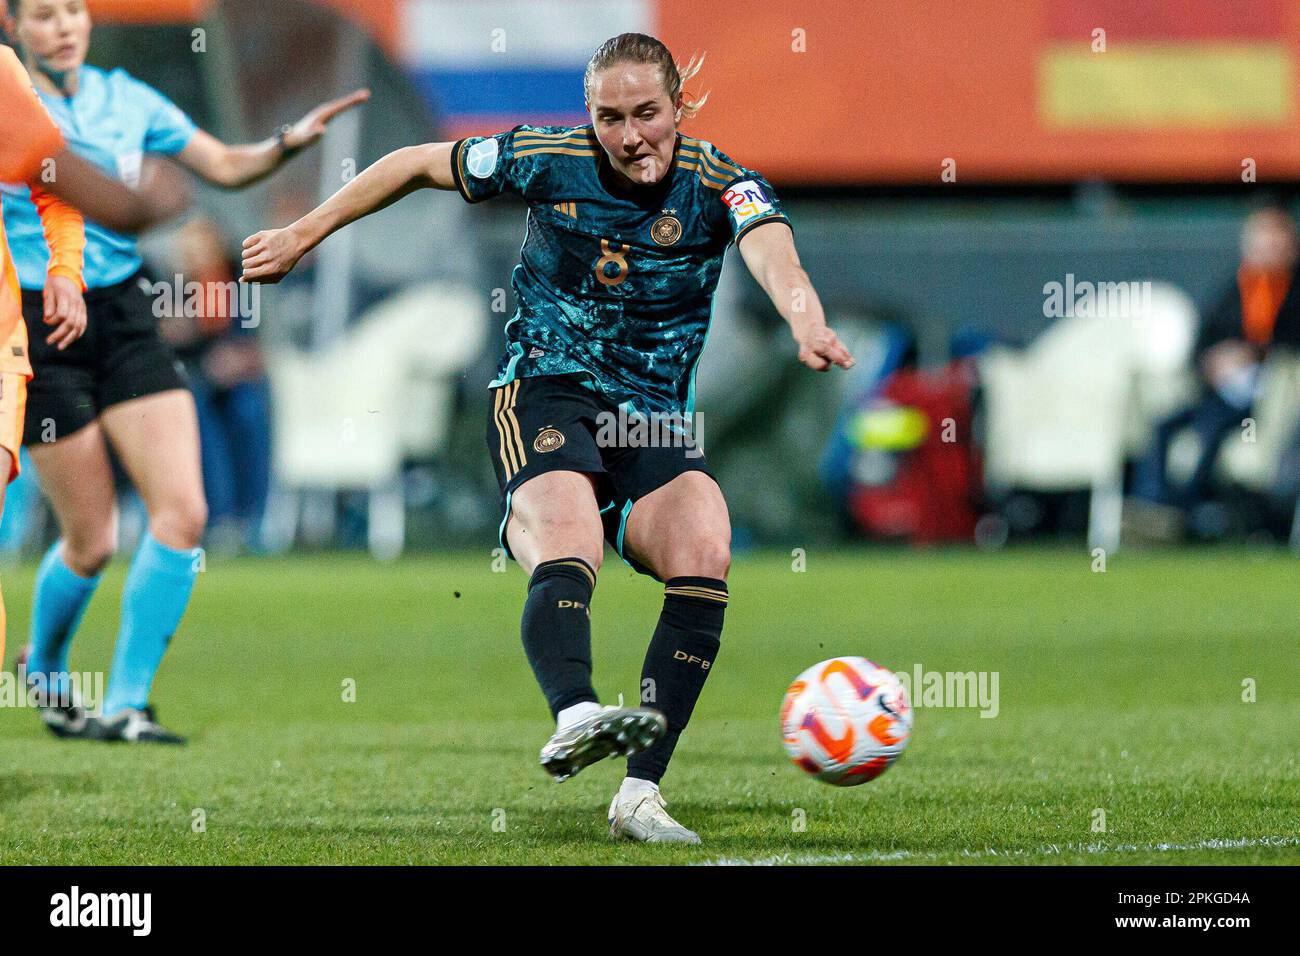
x: 746, y: 200
x: 481, y: 158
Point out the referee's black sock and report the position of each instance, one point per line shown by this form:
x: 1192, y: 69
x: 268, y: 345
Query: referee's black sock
x: 681, y: 655
x: 556, y: 628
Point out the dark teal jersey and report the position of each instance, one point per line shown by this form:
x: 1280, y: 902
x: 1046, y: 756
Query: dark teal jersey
x: 614, y: 280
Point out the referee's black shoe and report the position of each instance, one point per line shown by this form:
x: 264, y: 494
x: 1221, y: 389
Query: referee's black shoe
x: 134, y: 726
x: 62, y: 713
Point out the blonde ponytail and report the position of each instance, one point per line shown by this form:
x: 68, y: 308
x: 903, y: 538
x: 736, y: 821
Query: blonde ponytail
x: 684, y: 75
x: 640, y: 48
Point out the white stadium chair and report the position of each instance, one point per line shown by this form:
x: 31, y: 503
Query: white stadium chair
x: 1252, y: 459
x: 1065, y: 413
x: 347, y: 417
x: 1255, y: 463
x: 1055, y: 418
x: 1160, y: 338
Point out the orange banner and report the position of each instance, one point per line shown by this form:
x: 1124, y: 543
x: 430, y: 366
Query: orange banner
x: 377, y: 16
x: 149, y: 11
x: 928, y: 91
x: 998, y: 90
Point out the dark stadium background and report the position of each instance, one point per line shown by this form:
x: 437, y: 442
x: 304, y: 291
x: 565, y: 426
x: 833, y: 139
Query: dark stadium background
x: 853, y: 110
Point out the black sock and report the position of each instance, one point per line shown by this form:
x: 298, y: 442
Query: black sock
x: 681, y: 655
x: 556, y: 628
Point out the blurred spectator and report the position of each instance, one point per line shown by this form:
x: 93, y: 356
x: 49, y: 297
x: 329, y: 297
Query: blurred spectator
x: 217, y: 342
x: 293, y: 299
x: 1260, y: 310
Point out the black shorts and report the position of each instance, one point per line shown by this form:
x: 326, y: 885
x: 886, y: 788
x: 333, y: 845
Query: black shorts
x: 120, y: 357
x: 557, y: 423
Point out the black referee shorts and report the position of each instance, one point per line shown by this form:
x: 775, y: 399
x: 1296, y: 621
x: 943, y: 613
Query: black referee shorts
x: 120, y: 357
x: 557, y: 423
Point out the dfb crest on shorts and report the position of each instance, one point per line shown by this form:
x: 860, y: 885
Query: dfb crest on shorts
x: 548, y: 439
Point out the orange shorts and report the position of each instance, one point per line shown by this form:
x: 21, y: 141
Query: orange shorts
x: 13, y: 408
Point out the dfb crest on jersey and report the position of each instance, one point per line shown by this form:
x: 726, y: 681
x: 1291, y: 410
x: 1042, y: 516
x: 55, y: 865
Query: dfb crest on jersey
x: 481, y: 159
x: 666, y: 230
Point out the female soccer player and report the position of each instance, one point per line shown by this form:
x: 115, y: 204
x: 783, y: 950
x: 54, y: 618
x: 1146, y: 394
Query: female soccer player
x: 628, y: 221
x: 119, y: 383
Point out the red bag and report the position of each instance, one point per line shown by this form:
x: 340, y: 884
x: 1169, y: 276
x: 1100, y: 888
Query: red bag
x: 915, y: 471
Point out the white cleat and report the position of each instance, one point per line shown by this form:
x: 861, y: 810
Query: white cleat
x: 610, y: 730
x: 642, y: 816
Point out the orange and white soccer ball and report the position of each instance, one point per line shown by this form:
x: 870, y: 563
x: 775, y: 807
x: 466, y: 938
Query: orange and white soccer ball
x: 846, y: 720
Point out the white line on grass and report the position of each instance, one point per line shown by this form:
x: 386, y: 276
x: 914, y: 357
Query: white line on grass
x: 1051, y: 849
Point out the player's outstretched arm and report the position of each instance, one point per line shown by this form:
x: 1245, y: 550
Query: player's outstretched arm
x: 235, y: 166
x: 60, y: 199
x: 768, y: 251
x: 32, y: 150
x: 162, y: 193
x: 270, y: 255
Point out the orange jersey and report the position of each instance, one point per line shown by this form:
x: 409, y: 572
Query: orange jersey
x: 28, y: 138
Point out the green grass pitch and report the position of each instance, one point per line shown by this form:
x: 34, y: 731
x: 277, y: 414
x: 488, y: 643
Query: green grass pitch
x: 1119, y: 691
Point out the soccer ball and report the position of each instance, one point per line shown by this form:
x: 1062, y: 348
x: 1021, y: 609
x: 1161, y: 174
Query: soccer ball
x: 845, y: 720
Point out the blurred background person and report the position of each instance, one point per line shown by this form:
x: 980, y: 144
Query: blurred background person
x: 217, y: 342
x: 1258, y: 311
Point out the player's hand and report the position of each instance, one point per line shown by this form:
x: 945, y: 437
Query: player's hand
x: 1227, y: 360
x: 312, y: 126
x: 65, y: 309
x: 270, y: 255
x: 820, y: 348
